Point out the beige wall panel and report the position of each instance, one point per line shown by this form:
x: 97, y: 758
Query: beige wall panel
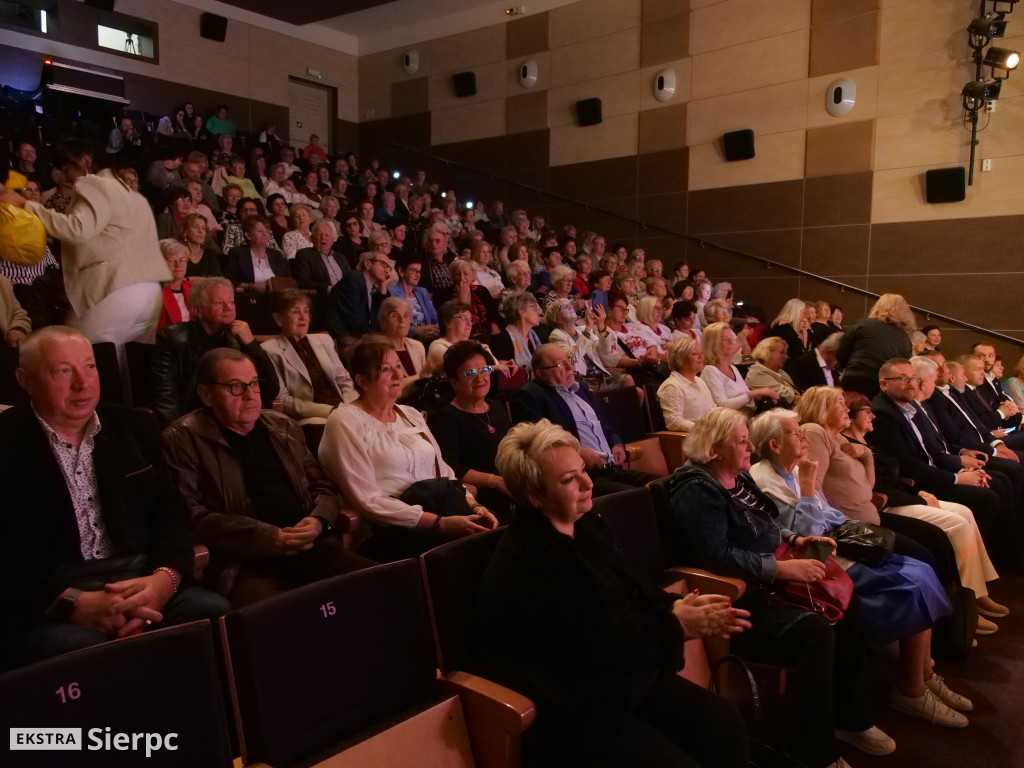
x: 663, y: 129
x: 697, y: 4
x: 543, y: 60
x: 848, y: 44
x: 780, y: 59
x: 385, y: 67
x: 913, y: 28
x: 743, y: 21
x: 653, y: 10
x: 682, y: 69
x: 620, y: 95
x: 609, y: 55
x: 266, y: 82
x: 925, y: 83
x: 280, y: 49
x: 919, y: 138
x: 840, y: 149
x: 827, y: 11
x: 527, y: 112
x: 665, y: 40
x: 898, y: 195
x: 593, y: 18
x: 866, y: 107
x: 374, y: 103
x: 1005, y: 133
x: 775, y: 109
x: 616, y: 137
x: 468, y: 50
x: 410, y: 97
x: 348, y: 104
x: 780, y: 157
x: 491, y: 83
x: 468, y: 122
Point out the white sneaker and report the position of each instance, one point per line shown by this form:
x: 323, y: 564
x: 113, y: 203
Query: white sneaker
x: 927, y: 707
x: 873, y: 741
x: 937, y: 685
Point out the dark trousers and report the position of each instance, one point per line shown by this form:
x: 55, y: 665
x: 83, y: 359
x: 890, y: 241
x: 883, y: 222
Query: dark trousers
x: 267, y: 577
x: 55, y: 638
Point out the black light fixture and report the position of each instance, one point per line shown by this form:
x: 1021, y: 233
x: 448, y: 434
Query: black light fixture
x: 1001, y: 60
x: 985, y: 28
x: 997, y: 3
x: 976, y: 93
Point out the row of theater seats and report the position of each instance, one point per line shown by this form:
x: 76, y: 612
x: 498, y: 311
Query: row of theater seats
x: 378, y: 667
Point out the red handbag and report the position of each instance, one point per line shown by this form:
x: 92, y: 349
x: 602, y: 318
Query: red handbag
x: 829, y: 598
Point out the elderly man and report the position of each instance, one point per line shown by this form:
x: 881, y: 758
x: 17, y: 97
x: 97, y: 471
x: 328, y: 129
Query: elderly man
x: 97, y: 539
x: 353, y: 303
x: 256, y: 495
x: 436, y: 273
x: 817, y: 367
x: 179, y: 347
x: 319, y: 268
x: 554, y: 394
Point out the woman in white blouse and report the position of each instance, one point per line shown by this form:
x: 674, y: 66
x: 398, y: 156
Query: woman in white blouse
x: 374, y: 450
x: 298, y: 237
x: 683, y: 395
x: 577, y: 343
x: 480, y: 255
x: 723, y: 378
x: 649, y: 314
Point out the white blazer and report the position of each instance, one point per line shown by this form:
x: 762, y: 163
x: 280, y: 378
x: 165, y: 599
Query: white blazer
x: 295, y: 383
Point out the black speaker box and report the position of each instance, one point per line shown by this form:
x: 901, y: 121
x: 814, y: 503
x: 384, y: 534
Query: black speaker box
x: 103, y: 5
x: 945, y: 185
x: 213, y: 27
x: 588, y: 112
x: 739, y: 145
x: 465, y: 84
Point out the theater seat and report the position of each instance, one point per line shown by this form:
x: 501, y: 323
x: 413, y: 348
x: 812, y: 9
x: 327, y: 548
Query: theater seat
x: 137, y: 357
x: 109, y: 370
x: 620, y: 412
x: 162, y: 682
x: 342, y: 672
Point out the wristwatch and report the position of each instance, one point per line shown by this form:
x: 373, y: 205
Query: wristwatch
x: 65, y: 605
x: 325, y: 527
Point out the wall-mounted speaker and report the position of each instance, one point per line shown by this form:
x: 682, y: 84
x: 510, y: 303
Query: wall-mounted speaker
x: 945, y: 185
x: 465, y: 84
x: 739, y: 145
x: 588, y: 112
x: 102, y: 5
x: 213, y: 27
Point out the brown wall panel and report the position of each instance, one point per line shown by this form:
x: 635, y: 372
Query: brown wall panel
x: 663, y: 128
x: 665, y: 40
x: 827, y: 11
x: 527, y: 35
x: 653, y: 10
x: 663, y: 171
x: 833, y: 251
x: 528, y: 112
x: 409, y: 97
x: 781, y: 245
x: 668, y: 249
x: 842, y: 45
x: 831, y: 200
x: 528, y: 150
x: 485, y: 155
x: 956, y: 247
x: 597, y: 180
x: 754, y: 207
x: 667, y: 211
x: 346, y: 135
x: 840, y: 149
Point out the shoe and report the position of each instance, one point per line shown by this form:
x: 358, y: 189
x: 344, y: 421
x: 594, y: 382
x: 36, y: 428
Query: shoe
x: 989, y: 607
x: 937, y: 685
x: 986, y: 627
x: 873, y: 741
x: 927, y: 707
x: 840, y: 763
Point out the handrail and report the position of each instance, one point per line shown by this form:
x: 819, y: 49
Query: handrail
x: 767, y: 263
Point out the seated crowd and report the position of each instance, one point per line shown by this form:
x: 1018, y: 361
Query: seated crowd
x: 435, y: 376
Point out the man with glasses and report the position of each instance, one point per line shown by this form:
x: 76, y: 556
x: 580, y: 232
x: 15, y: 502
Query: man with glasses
x: 554, y: 394
x: 256, y: 496
x: 179, y: 346
x: 353, y: 303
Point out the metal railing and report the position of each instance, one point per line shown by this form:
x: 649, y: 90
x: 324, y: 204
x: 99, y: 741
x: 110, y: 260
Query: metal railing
x: 767, y: 263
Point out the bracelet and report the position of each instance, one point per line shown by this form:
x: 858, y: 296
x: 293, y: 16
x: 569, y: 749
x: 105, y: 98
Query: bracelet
x: 175, y: 579
x: 490, y: 480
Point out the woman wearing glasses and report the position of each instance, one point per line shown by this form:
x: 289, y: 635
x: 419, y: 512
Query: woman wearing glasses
x: 174, y: 308
x: 394, y: 319
x: 470, y: 427
x: 376, y: 450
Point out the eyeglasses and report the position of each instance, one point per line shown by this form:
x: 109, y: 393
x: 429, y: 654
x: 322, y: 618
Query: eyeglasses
x: 182, y: 260
x: 795, y: 433
x: 387, y: 265
x: 469, y: 373
x: 904, y: 379
x: 239, y: 388
x: 564, y: 364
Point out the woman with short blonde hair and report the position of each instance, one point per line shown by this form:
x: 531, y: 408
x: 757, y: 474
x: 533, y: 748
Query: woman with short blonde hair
x: 793, y: 325
x: 683, y: 395
x: 724, y: 380
x: 769, y: 356
x: 883, y: 335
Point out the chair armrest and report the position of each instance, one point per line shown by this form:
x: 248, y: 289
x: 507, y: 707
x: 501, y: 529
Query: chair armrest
x: 495, y: 718
x: 672, y: 448
x: 348, y: 520
x: 708, y: 582
x: 880, y: 500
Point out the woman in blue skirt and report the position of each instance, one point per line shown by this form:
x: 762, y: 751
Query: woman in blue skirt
x: 901, y: 598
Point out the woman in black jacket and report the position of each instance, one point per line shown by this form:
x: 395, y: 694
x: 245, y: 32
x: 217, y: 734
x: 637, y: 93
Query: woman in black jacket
x: 565, y: 622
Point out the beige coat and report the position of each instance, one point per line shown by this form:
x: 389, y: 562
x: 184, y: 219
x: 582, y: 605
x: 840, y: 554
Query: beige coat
x: 295, y: 384
x: 12, y: 316
x: 108, y: 238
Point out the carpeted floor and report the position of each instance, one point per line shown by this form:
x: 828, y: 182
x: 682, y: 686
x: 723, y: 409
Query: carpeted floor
x: 992, y: 677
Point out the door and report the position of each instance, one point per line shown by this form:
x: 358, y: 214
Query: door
x: 309, y: 112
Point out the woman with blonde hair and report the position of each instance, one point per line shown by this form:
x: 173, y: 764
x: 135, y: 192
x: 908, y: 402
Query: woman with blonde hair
x: 882, y: 335
x: 298, y: 237
x: 1014, y: 385
x: 769, y: 355
x: 649, y: 326
x: 683, y: 395
x: 793, y: 325
x: 480, y: 254
x: 723, y: 379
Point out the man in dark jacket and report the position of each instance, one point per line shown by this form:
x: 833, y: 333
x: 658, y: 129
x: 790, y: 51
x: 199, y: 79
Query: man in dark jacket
x: 319, y: 268
x: 353, y: 302
x: 98, y: 545
x: 179, y: 347
x: 817, y: 367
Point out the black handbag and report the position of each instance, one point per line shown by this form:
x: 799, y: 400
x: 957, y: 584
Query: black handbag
x: 864, y: 542
x: 440, y: 495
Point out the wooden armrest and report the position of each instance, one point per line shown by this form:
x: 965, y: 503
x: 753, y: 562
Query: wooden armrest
x: 485, y: 699
x: 669, y: 435
x: 200, y: 557
x: 672, y: 448
x: 708, y: 582
x: 880, y: 500
x: 348, y: 520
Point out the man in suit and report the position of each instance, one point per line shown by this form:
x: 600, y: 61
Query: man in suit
x: 997, y: 414
x: 319, y: 268
x: 256, y: 495
x: 353, y: 302
x: 817, y: 367
x: 990, y: 387
x: 98, y: 545
x: 313, y: 381
x: 178, y: 348
x: 554, y: 394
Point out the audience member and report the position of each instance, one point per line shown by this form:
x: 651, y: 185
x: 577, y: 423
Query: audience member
x: 684, y: 396
x: 15, y: 324
x: 354, y: 301
x: 394, y: 318
x: 769, y: 355
x: 424, y: 316
x: 174, y: 308
x: 319, y: 267
x: 817, y: 367
x: 252, y: 266
x: 883, y: 335
x: 723, y: 379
